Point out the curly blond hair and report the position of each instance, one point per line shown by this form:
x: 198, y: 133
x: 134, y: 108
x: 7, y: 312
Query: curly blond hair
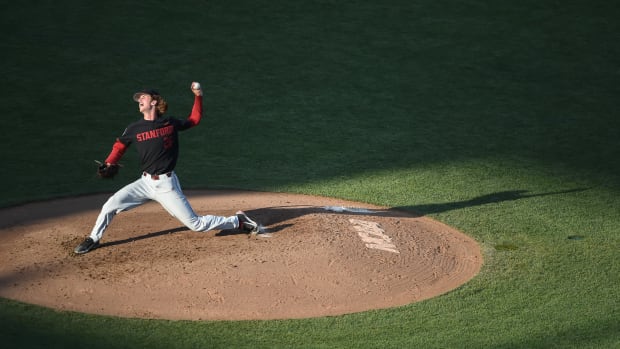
x: 162, y: 105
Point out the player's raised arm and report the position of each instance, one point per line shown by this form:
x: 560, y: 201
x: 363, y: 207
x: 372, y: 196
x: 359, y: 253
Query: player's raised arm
x: 196, y: 115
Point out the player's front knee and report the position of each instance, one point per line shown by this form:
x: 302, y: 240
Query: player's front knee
x: 194, y: 225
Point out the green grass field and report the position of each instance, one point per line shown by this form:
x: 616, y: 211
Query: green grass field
x: 498, y: 118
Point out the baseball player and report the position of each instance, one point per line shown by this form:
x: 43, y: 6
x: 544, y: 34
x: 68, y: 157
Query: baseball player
x: 156, y: 140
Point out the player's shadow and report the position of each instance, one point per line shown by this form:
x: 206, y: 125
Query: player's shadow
x: 502, y: 196
x: 278, y: 218
x: 146, y: 236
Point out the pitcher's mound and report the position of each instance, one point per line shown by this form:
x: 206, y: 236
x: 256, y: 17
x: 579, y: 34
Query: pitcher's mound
x: 316, y: 256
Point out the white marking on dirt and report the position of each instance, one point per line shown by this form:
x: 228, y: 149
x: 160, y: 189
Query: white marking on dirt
x: 373, y: 235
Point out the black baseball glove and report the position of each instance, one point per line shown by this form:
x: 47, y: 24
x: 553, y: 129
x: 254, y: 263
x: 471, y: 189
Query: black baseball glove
x: 107, y: 171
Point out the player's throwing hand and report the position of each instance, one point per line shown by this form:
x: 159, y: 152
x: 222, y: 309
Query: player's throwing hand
x: 196, y: 88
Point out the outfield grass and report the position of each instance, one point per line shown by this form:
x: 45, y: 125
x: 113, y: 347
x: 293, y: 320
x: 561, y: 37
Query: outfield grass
x: 495, y: 117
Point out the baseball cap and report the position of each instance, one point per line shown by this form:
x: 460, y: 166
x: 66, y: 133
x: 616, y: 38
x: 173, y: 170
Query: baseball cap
x: 147, y: 91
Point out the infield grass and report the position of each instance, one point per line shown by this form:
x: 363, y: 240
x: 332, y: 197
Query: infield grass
x: 498, y: 118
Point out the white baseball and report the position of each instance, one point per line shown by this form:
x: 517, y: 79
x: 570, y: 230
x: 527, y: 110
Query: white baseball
x: 196, y: 86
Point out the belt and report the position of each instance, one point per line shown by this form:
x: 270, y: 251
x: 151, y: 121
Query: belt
x: 156, y: 177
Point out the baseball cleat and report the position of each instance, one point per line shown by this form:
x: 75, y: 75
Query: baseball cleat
x: 247, y: 225
x: 86, y: 245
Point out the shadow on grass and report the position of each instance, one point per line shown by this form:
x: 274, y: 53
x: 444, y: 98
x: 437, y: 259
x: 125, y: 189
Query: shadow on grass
x: 502, y: 196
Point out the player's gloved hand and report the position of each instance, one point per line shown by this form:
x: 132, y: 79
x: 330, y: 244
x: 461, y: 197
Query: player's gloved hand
x: 107, y: 170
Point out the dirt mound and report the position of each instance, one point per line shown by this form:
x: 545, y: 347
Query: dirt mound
x: 316, y: 257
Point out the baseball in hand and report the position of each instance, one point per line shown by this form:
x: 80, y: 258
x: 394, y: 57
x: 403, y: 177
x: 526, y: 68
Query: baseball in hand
x: 196, y: 86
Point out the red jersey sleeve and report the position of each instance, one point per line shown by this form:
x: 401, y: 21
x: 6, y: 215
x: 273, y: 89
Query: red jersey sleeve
x: 118, y: 149
x: 196, y: 115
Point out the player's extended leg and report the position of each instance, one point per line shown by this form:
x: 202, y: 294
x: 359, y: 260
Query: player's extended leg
x: 170, y: 195
x: 130, y: 196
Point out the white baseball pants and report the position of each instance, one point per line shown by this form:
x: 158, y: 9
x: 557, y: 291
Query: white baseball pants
x: 165, y: 190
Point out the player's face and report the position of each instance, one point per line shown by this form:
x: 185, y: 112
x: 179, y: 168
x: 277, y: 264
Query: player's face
x: 145, y: 103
